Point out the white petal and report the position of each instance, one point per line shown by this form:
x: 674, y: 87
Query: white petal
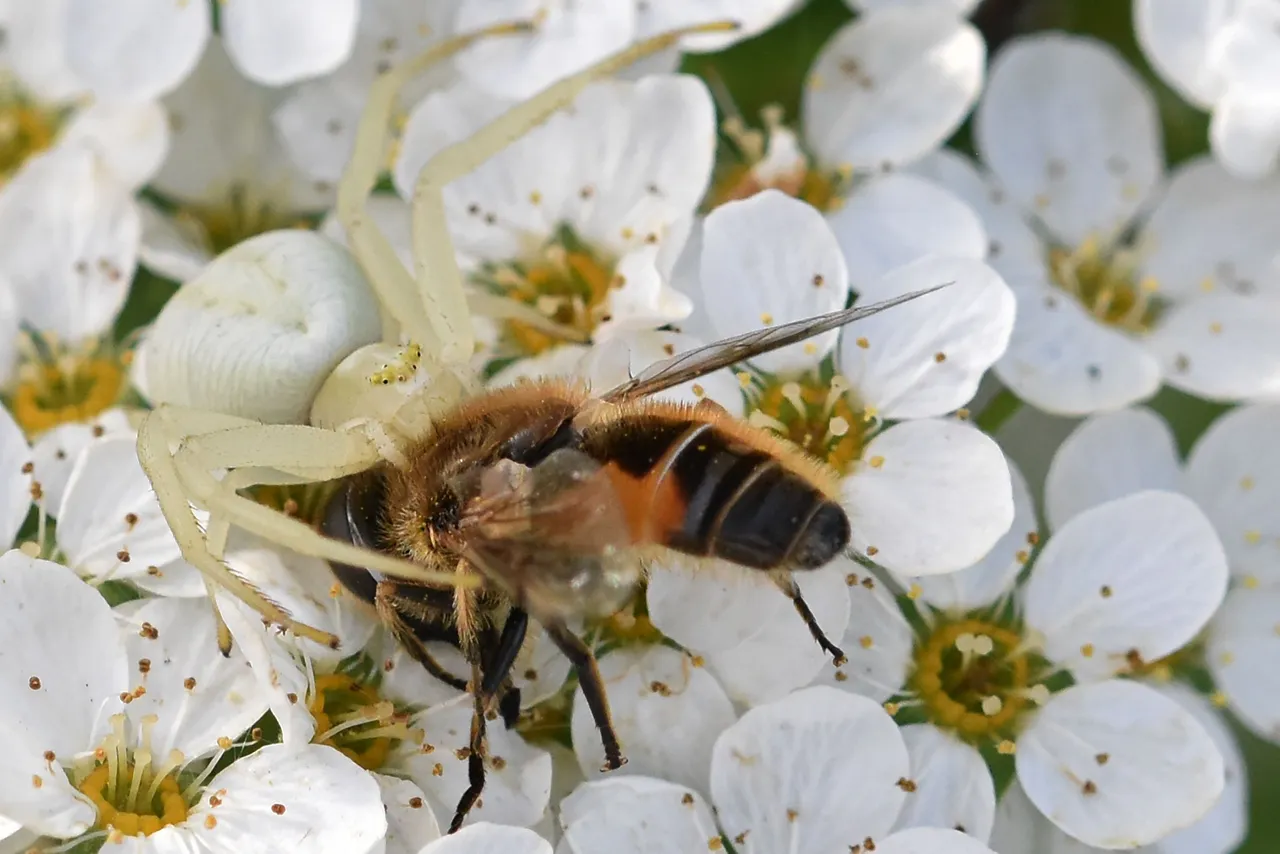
x: 1233, y: 472
x: 131, y: 139
x: 516, y: 793
x: 632, y: 815
x: 751, y: 16
x: 289, y: 40
x: 1153, y: 768
x: 781, y: 655
x: 174, y: 249
x: 667, y: 713
x: 410, y: 822
x: 1245, y: 132
x: 225, y: 699
x: 953, y: 786
x: 809, y: 773
x: 963, y: 7
x: 768, y: 260
x: 1174, y: 36
x: 925, y: 358
x: 643, y: 300
x: 931, y: 496
x: 57, y: 694
x: 680, y: 597
x: 407, y: 682
x: 317, y: 123
x: 891, y: 86
x: 931, y: 840
x: 34, y: 49
x: 1140, y: 574
x: 894, y: 219
x: 1022, y: 829
x: 55, y: 452
x: 568, y: 37
x: 138, y: 49
x: 68, y: 243
x: 623, y: 356
x: 10, y: 323
x: 1110, y: 456
x: 485, y: 838
x: 878, y: 640
x: 540, y: 669
x: 301, y: 305
x: 564, y: 360
x: 1071, y: 132
x: 110, y: 521
x: 1211, y: 231
x: 330, y: 804
x: 990, y: 578
x: 1242, y: 650
x: 15, y: 484
x: 1063, y: 361
x: 1221, y: 346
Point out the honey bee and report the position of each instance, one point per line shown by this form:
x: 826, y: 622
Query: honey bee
x: 554, y: 497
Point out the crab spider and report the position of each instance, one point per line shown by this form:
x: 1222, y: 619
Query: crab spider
x: 381, y: 394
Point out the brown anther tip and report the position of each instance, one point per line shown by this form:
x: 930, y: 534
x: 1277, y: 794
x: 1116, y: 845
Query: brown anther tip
x: 334, y: 643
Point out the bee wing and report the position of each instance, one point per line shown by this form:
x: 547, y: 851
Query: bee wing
x: 712, y: 357
x: 556, y: 535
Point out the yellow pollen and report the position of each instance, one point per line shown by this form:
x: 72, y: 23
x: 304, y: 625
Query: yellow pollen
x: 1087, y: 650
x: 351, y: 717
x: 165, y: 808
x: 816, y: 416
x: 25, y: 130
x: 1247, y: 483
x: 1103, y: 282
x: 1253, y: 537
x: 65, y: 391
x: 863, y: 343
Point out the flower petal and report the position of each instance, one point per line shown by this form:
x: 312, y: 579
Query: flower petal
x: 15, y: 483
x: 666, y: 711
x: 932, y: 840
x: 289, y: 40
x: 515, y: 793
x: 410, y: 822
x: 877, y: 642
x: 1175, y: 36
x: 633, y: 815
x: 135, y: 50
x: 1244, y: 133
x: 781, y: 655
x: 1117, y: 765
x: 131, y: 139
x: 197, y: 695
x: 680, y: 597
x: 891, y: 86
x: 485, y: 838
x: 1138, y: 575
x: 1020, y: 828
x: 623, y: 356
x: 925, y: 358
x: 768, y: 260
x: 894, y: 219
x: 1109, y: 456
x: 1233, y: 472
x: 933, y: 496
x: 55, y: 452
x: 1221, y: 346
x: 953, y: 787
x: 983, y: 583
x: 34, y: 34
x: 308, y: 799
x: 1063, y: 361
x: 57, y: 694
x: 1242, y: 650
x: 809, y: 772
x: 1071, y: 133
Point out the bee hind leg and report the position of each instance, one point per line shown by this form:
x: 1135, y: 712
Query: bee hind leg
x: 791, y: 590
x: 584, y: 664
x: 475, y: 761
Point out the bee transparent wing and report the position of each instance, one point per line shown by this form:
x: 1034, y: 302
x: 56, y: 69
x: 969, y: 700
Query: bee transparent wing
x: 720, y: 354
x: 555, y: 535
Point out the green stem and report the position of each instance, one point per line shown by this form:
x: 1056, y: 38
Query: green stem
x: 1001, y: 408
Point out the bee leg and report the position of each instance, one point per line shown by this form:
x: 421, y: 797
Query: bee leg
x: 384, y: 599
x: 584, y: 664
x: 788, y: 586
x: 498, y: 667
x: 509, y: 707
x: 475, y: 762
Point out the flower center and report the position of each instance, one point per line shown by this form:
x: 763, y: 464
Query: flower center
x: 241, y: 214
x: 818, y: 416
x: 60, y: 387
x: 1106, y: 285
x: 567, y: 282
x: 303, y: 501
x: 25, y: 129
x: 134, y: 795
x: 976, y: 677
x: 353, y: 718
x: 773, y: 159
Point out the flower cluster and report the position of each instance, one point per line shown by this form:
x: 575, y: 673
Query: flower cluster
x: 250, y: 253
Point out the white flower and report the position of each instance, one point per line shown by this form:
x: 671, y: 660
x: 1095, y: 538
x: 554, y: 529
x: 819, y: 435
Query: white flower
x: 568, y: 36
x: 1112, y: 762
x: 484, y: 838
x: 110, y: 525
x: 146, y: 48
x: 130, y: 704
x: 886, y: 89
x: 15, y: 479
x: 1221, y: 57
x: 1233, y: 473
x: 581, y: 219
x: 818, y: 771
x: 1071, y: 137
x: 54, y: 453
x: 227, y: 176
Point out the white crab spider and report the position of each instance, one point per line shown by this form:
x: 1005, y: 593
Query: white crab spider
x: 381, y: 394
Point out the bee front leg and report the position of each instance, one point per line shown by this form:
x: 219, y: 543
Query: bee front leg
x: 791, y: 590
x: 584, y: 664
x: 475, y: 758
